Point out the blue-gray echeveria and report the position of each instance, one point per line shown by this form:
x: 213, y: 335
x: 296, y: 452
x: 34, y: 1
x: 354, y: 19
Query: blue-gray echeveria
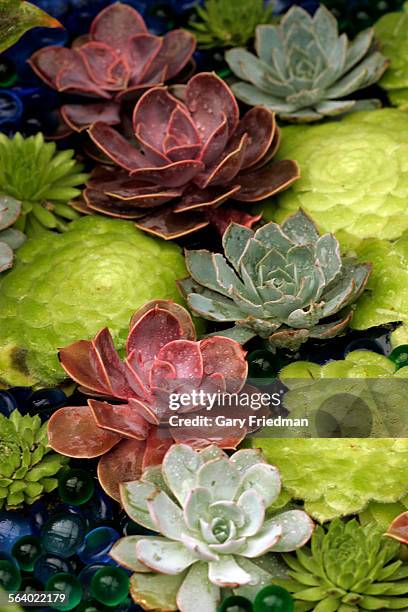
x: 210, y: 512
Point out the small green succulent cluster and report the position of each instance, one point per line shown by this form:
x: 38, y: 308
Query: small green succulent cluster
x: 348, y: 568
x: 392, y: 30
x: 42, y: 179
x: 222, y: 23
x: 354, y: 175
x: 304, y: 69
x: 10, y: 238
x: 28, y: 466
x: 284, y: 283
x: 68, y: 286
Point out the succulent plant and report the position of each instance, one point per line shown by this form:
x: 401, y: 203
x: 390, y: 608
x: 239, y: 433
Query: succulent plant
x: 354, y: 179
x: 349, y: 567
x: 67, y: 286
x: 391, y: 30
x: 222, y: 23
x: 162, y: 357
x: 17, y: 17
x: 338, y: 477
x: 193, y: 155
x: 27, y: 464
x: 398, y: 530
x: 209, y: 511
x: 283, y: 283
x: 42, y: 178
x: 10, y: 239
x: 304, y: 69
x: 118, y: 60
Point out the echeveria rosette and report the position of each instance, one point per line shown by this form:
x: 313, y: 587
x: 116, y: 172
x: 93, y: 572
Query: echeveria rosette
x: 391, y: 30
x: 284, y: 283
x: 354, y: 177
x: 222, y: 23
x: 119, y: 59
x: 68, y: 286
x: 192, y: 155
x: 304, y: 69
x: 28, y: 467
x: 17, y: 17
x: 162, y: 357
x: 43, y: 179
x: 210, y: 513
x: 349, y: 567
x: 10, y: 238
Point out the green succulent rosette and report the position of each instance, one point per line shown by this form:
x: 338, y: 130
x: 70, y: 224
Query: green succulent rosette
x: 348, y: 567
x: 392, y: 31
x: 28, y: 466
x: 354, y: 176
x: 66, y: 287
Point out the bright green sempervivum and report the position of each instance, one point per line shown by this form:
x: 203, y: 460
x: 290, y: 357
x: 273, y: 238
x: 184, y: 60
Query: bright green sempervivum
x: 354, y: 175
x: 284, y: 283
x: 349, y: 567
x: 392, y: 31
x: 386, y: 300
x: 304, y: 69
x: 10, y: 238
x: 222, y: 23
x: 66, y: 287
x: 28, y: 466
x: 42, y: 178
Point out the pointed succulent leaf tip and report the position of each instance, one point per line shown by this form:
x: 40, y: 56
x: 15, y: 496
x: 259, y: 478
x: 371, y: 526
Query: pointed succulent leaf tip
x: 300, y: 86
x: 119, y: 60
x: 162, y: 353
x: 209, y: 512
x: 192, y: 155
x: 281, y: 282
x: 17, y: 17
x: 398, y: 530
x: 348, y: 562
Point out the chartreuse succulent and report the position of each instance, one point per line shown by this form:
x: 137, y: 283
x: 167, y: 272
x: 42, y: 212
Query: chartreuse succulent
x: 222, y: 23
x: 354, y: 176
x: 42, y: 179
x: 392, y: 30
x: 10, y: 238
x: 348, y: 568
x: 213, y: 532
x: 285, y: 283
x: 28, y: 466
x: 17, y: 17
x: 66, y: 287
x: 304, y: 70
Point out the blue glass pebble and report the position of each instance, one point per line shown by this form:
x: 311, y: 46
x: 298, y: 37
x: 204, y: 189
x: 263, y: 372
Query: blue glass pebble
x: 47, y: 565
x: 99, y: 508
x: 38, y: 516
x: 11, y: 108
x: 364, y: 344
x: 7, y: 403
x: 97, y: 544
x: 46, y: 401
x: 21, y: 395
x: 63, y: 534
x: 13, y: 526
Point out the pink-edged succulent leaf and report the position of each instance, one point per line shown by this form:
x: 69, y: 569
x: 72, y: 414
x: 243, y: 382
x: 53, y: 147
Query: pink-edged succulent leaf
x: 157, y: 445
x: 175, y: 174
x: 73, y: 431
x: 79, y: 117
x: 49, y: 61
x: 186, y: 359
x: 76, y: 359
x: 108, y: 366
x: 169, y: 225
x: 266, y: 181
x: 96, y: 201
x: 175, y: 53
x: 104, y: 66
x: 196, y: 198
x: 398, y: 530
x: 116, y: 24
x: 227, y: 357
x: 123, y: 419
x: 122, y: 463
x: 223, y: 216
x: 142, y: 50
x: 226, y: 169
x: 260, y: 126
x: 116, y: 147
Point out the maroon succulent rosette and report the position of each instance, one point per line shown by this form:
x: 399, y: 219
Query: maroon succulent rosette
x: 187, y: 157
x: 118, y: 60
x: 128, y: 424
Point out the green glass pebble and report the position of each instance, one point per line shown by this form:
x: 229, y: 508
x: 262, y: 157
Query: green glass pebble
x: 75, y: 486
x: 110, y: 585
x: 274, y: 598
x: 26, y: 552
x: 235, y: 604
x: 91, y: 605
x: 10, y: 577
x: 262, y: 364
x: 67, y: 585
x: 400, y: 356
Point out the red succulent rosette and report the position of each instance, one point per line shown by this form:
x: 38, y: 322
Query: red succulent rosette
x: 187, y: 157
x: 118, y: 60
x: 131, y: 430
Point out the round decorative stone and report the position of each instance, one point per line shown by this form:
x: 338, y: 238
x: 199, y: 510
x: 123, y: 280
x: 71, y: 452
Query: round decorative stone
x: 75, y: 486
x: 7, y: 403
x: 31, y: 585
x: 274, y: 598
x: 48, y: 565
x: 13, y: 525
x: 85, y: 577
x: 97, y: 544
x: 67, y: 585
x: 91, y: 605
x: 400, y: 356
x: 26, y: 551
x: 235, y: 604
x: 10, y: 577
x: 262, y: 365
x: 110, y: 585
x: 63, y: 534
